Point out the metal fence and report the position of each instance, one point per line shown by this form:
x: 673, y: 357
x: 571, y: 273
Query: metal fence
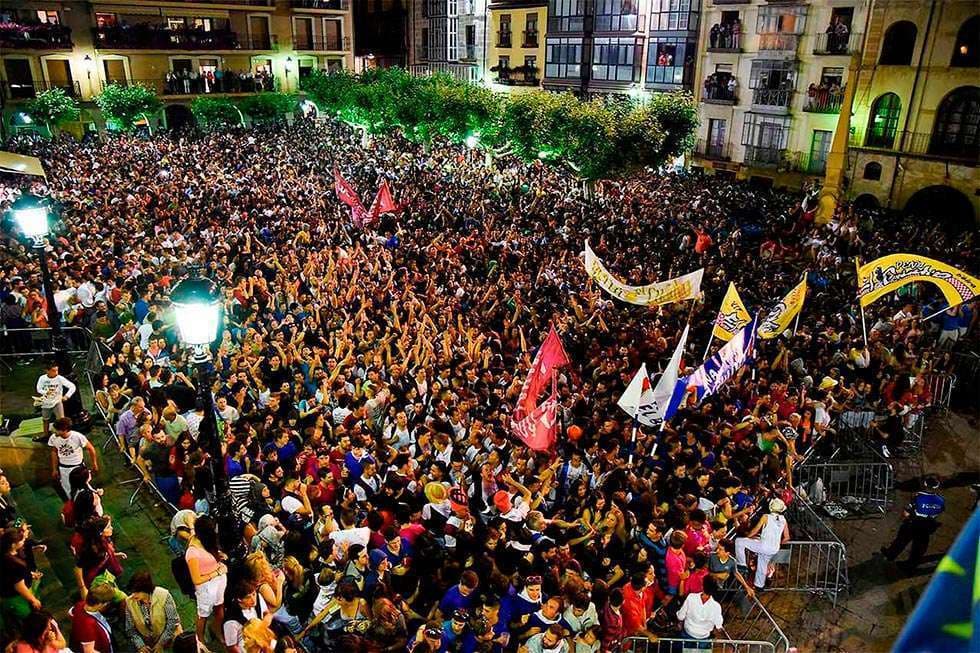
x: 846, y: 488
x: 677, y: 645
x: 748, y: 622
x: 34, y: 341
x: 819, y: 567
x: 941, y: 388
x: 804, y: 521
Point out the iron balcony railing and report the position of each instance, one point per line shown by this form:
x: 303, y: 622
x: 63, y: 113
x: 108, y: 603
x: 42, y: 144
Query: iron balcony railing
x: 155, y: 37
x: 726, y: 38
x: 772, y: 97
x: 764, y: 156
x: 837, y: 44
x: 338, y: 5
x: 779, y: 42
x: 14, y: 90
x: 517, y: 76
x: 336, y: 43
x: 44, y: 36
x: 620, y: 23
x: 714, y: 150
x: 824, y: 100
x: 731, y: 2
x: 224, y: 83
x: 530, y: 38
x: 964, y: 148
x: 503, y: 38
x: 719, y: 94
x: 460, y: 71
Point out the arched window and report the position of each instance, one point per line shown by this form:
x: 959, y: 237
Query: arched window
x: 966, y: 52
x: 872, y: 171
x: 898, y: 44
x: 883, y: 121
x: 957, y: 129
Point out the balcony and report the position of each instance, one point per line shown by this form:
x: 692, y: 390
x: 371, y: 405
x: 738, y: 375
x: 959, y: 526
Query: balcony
x: 530, y: 38
x: 174, y: 85
x: 335, y: 5
x: 731, y: 2
x: 460, y: 71
x: 503, y: 38
x: 713, y: 150
x: 42, y: 36
x: 823, y: 99
x: 726, y: 37
x: 838, y: 44
x: 517, y: 76
x: 158, y: 37
x: 779, y: 43
x: 769, y: 157
x: 772, y: 98
x: 716, y: 91
x: 29, y: 90
x: 807, y: 163
x: 469, y: 53
x: 332, y: 44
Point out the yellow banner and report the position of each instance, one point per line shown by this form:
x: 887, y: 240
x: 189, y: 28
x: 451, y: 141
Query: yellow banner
x: 782, y: 314
x: 889, y: 273
x: 732, y: 315
x: 677, y: 289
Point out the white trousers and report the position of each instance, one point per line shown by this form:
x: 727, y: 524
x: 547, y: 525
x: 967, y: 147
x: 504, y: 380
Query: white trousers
x: 763, y: 553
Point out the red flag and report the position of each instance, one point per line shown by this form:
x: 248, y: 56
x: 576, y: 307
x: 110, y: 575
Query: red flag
x: 346, y: 192
x: 383, y: 202
x: 358, y: 216
x: 539, y: 430
x: 550, y: 357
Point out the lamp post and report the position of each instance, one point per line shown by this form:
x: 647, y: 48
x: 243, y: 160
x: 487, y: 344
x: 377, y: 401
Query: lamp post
x: 197, y: 307
x: 32, y: 216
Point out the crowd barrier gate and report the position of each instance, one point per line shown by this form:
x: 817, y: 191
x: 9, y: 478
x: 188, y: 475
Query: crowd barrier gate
x: 677, y: 645
x: 857, y: 485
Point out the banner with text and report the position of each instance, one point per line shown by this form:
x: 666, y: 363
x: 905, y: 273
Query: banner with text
x: 677, y: 289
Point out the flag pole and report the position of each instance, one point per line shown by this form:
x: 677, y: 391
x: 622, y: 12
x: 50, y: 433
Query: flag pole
x: 796, y: 322
x: 864, y: 326
x: 942, y: 310
x: 711, y: 339
x: 636, y: 426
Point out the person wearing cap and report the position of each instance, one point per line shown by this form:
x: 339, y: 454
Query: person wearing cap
x: 765, y: 540
x: 919, y: 522
x: 429, y: 637
x: 454, y: 630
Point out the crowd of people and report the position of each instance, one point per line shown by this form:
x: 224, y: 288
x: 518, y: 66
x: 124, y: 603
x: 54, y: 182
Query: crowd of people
x: 187, y: 82
x: 364, y: 382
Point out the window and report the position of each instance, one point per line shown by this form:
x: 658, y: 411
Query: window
x: 775, y: 19
x: 531, y: 62
x: 966, y: 51
x: 872, y: 171
x: 503, y: 36
x: 563, y: 58
x: 772, y: 74
x: 670, y: 61
x: 613, y: 58
x: 957, y: 129
x: 531, y: 31
x: 616, y: 15
x: 503, y: 63
x: 897, y: 46
x: 48, y: 16
x: 105, y: 20
x: 425, y: 43
x: 765, y: 135
x: 674, y: 14
x: 883, y: 121
x: 566, y: 15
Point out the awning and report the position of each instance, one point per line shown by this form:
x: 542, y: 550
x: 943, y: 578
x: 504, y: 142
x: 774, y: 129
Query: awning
x: 19, y: 164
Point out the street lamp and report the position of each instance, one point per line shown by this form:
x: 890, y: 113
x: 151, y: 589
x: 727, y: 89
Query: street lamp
x: 32, y: 216
x: 197, y: 310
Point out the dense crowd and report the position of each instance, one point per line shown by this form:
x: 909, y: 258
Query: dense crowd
x: 364, y: 381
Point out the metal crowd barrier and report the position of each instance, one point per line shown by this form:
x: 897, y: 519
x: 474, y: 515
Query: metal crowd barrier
x: 35, y: 341
x: 747, y: 621
x: 859, y: 486
x: 805, y: 520
x: 678, y: 645
x: 819, y: 567
x: 913, y: 430
x: 941, y: 388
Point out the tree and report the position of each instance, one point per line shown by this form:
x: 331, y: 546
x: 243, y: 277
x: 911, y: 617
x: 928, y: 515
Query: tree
x: 269, y: 107
x: 677, y: 114
x: 53, y: 108
x: 215, y: 112
x: 123, y: 105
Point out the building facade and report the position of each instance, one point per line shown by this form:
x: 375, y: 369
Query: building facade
x: 621, y: 46
x: 515, y: 46
x: 381, y: 33
x: 179, y: 49
x: 772, y: 78
x: 448, y: 36
x: 915, y: 126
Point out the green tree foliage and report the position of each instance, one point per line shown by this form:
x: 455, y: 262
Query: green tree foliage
x: 124, y: 105
x: 269, y: 107
x: 53, y: 107
x: 212, y: 112
x: 596, y: 138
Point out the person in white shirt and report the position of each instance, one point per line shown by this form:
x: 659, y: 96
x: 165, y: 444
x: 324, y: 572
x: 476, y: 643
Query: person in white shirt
x: 53, y: 389
x: 68, y: 452
x: 700, y: 613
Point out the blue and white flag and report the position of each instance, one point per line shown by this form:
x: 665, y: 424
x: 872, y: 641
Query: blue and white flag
x: 717, y: 370
x: 645, y: 404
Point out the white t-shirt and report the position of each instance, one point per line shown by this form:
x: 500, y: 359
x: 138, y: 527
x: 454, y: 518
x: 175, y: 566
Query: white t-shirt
x: 234, y: 631
x: 144, y: 333
x: 52, y: 390
x: 291, y: 504
x: 700, y: 618
x: 69, y: 449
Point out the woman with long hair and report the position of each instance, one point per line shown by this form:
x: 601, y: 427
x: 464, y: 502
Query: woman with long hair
x: 209, y: 575
x: 39, y: 633
x: 18, y: 584
x: 96, y: 553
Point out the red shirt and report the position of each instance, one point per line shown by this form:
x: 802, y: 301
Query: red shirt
x: 637, y: 608
x: 86, y: 628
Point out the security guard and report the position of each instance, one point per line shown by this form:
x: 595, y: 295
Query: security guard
x: 919, y: 523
